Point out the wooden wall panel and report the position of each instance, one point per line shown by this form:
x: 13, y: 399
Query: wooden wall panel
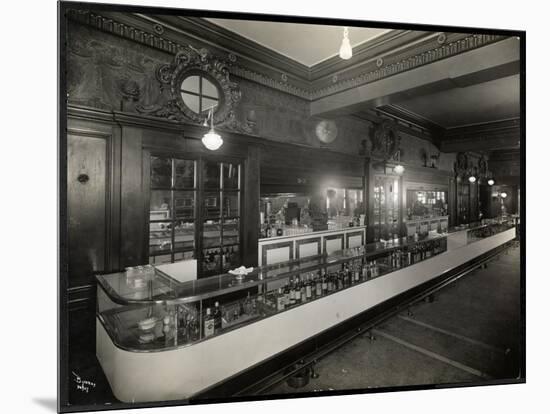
x: 87, y: 205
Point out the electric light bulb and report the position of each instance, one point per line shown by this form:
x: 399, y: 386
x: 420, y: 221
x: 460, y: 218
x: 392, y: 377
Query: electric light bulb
x: 345, y: 49
x: 212, y: 140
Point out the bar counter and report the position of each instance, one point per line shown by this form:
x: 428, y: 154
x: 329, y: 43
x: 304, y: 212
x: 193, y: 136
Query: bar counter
x: 175, y: 358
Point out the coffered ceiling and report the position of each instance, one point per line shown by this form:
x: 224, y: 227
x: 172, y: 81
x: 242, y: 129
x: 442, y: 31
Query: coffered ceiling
x: 307, y: 44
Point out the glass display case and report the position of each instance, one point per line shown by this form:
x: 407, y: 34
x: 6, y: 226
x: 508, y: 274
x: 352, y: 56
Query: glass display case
x: 488, y: 228
x: 144, y: 309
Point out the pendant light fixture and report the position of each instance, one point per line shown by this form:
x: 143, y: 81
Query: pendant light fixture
x: 345, y: 48
x: 211, y: 140
x: 399, y: 169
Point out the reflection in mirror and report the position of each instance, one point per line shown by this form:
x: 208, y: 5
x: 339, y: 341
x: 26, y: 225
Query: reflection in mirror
x: 426, y: 204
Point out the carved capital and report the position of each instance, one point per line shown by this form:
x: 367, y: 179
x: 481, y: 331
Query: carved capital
x: 385, y: 140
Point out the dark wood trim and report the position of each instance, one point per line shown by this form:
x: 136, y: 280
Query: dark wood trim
x: 250, y: 214
x: 311, y: 240
x: 81, y: 297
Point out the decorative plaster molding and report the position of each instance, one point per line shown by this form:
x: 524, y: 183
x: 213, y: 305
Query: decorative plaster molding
x: 437, y: 51
x: 191, y: 61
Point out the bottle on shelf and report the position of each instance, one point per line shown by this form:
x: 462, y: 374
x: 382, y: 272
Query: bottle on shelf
x: 340, y: 281
x: 208, y: 324
x: 308, y: 288
x: 217, y: 317
x: 292, y: 294
x: 302, y: 290
x: 318, y: 286
x: 332, y: 283
x: 248, y: 305
x: 286, y: 293
x: 224, y: 259
x: 280, y: 300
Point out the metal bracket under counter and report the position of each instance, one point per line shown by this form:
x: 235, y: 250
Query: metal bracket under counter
x: 284, y: 248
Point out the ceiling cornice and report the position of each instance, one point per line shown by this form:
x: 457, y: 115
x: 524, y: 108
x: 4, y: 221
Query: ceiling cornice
x: 489, y: 136
x: 392, y: 53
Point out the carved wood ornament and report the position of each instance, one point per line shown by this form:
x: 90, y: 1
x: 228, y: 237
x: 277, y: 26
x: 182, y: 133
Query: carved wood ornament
x: 191, y: 61
x: 385, y: 140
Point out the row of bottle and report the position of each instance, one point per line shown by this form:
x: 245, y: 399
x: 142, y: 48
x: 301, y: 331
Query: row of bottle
x: 226, y: 256
x: 409, y: 256
x: 213, y: 317
x: 212, y: 322
x: 314, y: 285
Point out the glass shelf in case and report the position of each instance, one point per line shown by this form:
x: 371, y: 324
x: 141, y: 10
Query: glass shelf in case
x: 145, y: 309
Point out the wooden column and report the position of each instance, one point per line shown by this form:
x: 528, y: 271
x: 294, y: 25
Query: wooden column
x: 251, y: 208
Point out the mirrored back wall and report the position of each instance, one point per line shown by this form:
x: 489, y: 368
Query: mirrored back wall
x: 423, y: 200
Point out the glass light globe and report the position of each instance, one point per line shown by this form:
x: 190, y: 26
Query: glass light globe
x: 345, y: 49
x: 472, y: 179
x: 399, y: 169
x: 212, y: 140
x: 503, y: 195
x: 490, y: 181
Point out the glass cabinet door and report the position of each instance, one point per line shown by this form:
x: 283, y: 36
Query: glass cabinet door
x: 386, y: 207
x: 221, y: 213
x: 172, y: 212
x: 191, y: 213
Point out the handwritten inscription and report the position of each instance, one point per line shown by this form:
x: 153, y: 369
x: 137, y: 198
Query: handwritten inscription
x: 82, y: 384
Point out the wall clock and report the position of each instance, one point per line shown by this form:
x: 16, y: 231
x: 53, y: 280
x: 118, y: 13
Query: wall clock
x: 326, y: 131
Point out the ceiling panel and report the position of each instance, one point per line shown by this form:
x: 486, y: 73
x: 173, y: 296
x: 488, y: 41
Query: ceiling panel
x: 307, y: 44
x: 480, y: 103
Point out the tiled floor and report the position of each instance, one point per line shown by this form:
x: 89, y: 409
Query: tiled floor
x: 469, y: 333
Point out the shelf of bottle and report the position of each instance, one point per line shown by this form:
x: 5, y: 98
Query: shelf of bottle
x: 307, y: 283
